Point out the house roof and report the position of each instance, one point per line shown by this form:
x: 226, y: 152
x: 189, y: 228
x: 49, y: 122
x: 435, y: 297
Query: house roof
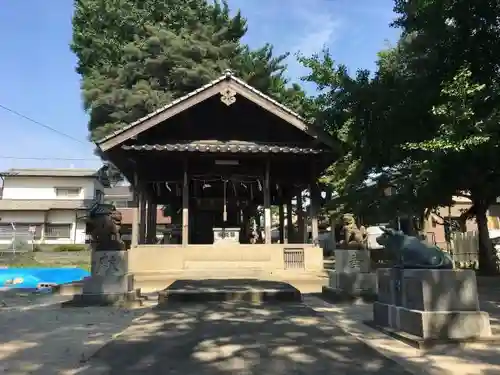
x: 43, y: 204
x: 225, y: 82
x: 50, y: 172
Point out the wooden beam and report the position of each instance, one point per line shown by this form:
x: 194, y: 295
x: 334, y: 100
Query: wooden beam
x: 267, y: 205
x: 289, y: 221
x: 185, y: 207
x: 143, y: 216
x: 314, y: 205
x: 135, y: 213
x: 300, y: 218
x: 282, y: 221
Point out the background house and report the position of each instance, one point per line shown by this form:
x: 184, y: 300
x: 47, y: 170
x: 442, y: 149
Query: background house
x: 434, y: 227
x: 47, y: 205
x: 122, y: 197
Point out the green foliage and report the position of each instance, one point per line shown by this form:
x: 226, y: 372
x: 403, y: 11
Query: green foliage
x: 135, y: 58
x: 70, y: 247
x: 425, y: 123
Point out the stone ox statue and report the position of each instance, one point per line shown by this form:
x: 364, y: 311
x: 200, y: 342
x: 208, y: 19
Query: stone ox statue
x: 104, y: 222
x: 410, y: 252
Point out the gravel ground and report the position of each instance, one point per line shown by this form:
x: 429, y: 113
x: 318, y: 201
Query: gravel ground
x: 37, y: 336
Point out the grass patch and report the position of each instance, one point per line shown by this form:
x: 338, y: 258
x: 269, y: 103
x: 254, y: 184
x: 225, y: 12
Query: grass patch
x: 28, y: 260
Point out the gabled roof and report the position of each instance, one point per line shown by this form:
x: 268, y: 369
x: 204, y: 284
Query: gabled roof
x: 224, y: 82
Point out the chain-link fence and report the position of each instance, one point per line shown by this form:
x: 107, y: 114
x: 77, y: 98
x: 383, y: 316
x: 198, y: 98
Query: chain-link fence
x: 17, y: 238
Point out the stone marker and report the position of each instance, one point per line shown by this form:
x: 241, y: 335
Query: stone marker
x: 430, y: 305
x: 352, y: 278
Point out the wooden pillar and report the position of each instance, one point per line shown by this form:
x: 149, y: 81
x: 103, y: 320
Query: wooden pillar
x: 301, y: 237
x: 314, y: 209
x: 333, y: 240
x: 185, y: 207
x: 135, y: 214
x: 267, y: 204
x: 153, y: 223
x: 289, y: 220
x: 282, y: 221
x: 150, y: 222
x: 142, y: 217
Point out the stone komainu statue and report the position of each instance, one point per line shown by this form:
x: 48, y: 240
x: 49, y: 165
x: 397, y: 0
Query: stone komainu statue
x: 105, y: 223
x: 410, y: 252
x: 351, y: 236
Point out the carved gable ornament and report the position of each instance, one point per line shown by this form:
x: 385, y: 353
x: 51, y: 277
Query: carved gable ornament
x: 228, y: 96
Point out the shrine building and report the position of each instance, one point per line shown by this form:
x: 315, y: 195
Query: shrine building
x: 218, y: 159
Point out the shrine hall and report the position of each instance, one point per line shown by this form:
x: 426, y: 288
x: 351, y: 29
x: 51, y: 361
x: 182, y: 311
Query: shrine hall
x: 217, y: 159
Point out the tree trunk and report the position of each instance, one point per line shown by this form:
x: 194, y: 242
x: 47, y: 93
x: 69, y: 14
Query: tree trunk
x: 487, y: 258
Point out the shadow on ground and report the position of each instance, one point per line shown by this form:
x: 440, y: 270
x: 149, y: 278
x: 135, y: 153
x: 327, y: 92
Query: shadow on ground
x: 237, y: 338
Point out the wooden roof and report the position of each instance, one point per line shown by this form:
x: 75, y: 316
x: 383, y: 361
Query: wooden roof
x: 219, y: 86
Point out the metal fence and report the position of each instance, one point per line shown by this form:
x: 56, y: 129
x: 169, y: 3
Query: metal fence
x: 16, y: 238
x: 465, y: 248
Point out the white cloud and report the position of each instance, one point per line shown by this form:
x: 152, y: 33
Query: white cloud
x: 318, y: 35
x: 317, y: 28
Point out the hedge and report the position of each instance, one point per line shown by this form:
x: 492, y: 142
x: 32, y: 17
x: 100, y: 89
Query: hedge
x: 70, y: 247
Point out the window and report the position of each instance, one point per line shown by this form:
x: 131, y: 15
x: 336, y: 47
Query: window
x: 21, y: 231
x: 71, y: 192
x: 58, y: 231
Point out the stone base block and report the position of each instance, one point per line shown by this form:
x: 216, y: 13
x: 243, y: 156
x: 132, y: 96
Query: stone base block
x: 353, y: 282
x: 129, y: 300
x: 339, y: 295
x: 433, y: 325
x: 106, y: 291
x: 421, y: 343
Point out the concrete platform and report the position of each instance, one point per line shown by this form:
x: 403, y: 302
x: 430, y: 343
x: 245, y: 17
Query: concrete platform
x: 429, y: 343
x: 219, y: 290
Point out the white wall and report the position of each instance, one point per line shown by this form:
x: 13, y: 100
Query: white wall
x: 26, y: 217
x: 20, y: 187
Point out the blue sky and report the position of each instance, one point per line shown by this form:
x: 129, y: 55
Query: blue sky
x: 37, y: 76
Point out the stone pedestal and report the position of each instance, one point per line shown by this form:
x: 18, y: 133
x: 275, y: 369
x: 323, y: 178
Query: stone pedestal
x: 109, y: 284
x: 426, y: 306
x: 352, y: 278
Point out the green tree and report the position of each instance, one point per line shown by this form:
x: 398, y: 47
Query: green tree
x: 425, y: 124
x: 102, y: 28
x: 137, y: 56
x: 467, y: 144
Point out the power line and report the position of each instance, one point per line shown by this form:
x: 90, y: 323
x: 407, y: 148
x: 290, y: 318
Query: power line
x: 41, y: 124
x: 47, y: 158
